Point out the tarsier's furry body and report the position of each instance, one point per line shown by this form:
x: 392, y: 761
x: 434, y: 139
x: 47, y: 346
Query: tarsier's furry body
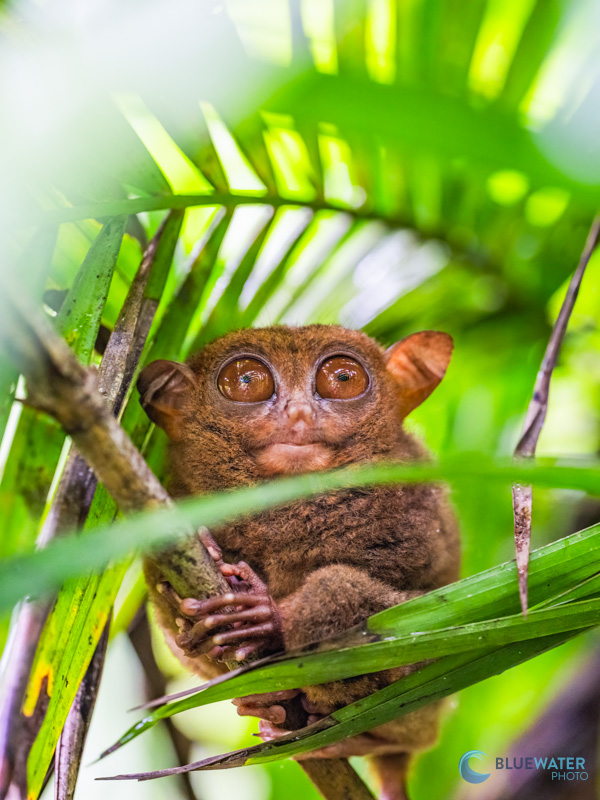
x: 327, y: 562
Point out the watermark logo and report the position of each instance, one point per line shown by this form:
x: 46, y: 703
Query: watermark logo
x: 468, y: 774
x: 560, y: 768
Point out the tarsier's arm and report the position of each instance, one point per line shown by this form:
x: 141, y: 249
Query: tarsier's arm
x: 331, y: 600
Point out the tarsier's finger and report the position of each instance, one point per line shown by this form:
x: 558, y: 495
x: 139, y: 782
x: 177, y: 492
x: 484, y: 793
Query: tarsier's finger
x: 168, y: 592
x: 245, y: 573
x: 267, y: 731
x: 207, y: 649
x: 315, y: 708
x: 210, y: 544
x: 183, y: 625
x: 221, y: 654
x: 247, y: 651
x: 274, y: 713
x: 266, y: 698
x: 196, y: 636
x: 258, y: 614
x: 191, y: 646
x: 266, y: 705
x: 241, y: 634
x: 199, y: 634
x: 236, y: 583
x: 216, y: 653
x: 200, y: 608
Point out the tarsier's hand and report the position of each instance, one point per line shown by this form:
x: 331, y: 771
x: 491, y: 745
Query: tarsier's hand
x: 236, y: 625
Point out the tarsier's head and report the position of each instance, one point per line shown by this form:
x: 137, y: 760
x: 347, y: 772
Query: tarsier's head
x: 262, y: 402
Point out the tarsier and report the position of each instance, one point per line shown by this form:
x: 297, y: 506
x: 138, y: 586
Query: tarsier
x: 261, y: 403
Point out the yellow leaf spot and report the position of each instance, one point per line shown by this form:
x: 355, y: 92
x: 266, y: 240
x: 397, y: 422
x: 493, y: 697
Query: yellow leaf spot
x: 36, y: 681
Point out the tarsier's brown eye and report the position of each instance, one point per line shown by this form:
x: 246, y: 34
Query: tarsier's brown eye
x: 246, y: 380
x: 341, y: 378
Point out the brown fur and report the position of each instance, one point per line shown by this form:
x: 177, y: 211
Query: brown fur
x: 330, y: 561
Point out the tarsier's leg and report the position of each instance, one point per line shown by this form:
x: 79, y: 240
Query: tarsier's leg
x: 388, y: 762
x: 332, y: 600
x: 246, y: 622
x: 391, y: 772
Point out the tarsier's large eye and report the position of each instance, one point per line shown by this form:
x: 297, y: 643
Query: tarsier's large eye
x: 246, y: 380
x: 341, y: 378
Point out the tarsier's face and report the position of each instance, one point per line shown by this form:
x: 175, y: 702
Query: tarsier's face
x: 291, y: 400
x: 299, y: 402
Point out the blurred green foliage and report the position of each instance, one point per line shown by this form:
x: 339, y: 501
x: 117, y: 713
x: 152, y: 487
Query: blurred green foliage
x: 393, y: 165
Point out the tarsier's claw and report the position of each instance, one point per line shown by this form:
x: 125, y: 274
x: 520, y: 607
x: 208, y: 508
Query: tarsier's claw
x: 183, y: 624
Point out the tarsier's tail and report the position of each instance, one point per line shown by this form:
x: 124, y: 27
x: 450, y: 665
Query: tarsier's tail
x: 391, y: 773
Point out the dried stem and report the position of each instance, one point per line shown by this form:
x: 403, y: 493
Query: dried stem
x: 31, y: 617
x: 156, y: 685
x: 72, y: 738
x: 536, y: 414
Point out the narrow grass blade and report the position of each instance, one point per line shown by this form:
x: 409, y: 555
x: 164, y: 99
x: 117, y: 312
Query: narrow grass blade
x: 407, y: 633
x: 70, y: 746
x: 79, y: 317
x: 42, y: 571
x: 433, y: 682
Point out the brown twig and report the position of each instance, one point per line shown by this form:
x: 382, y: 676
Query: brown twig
x: 536, y: 414
x: 59, y: 385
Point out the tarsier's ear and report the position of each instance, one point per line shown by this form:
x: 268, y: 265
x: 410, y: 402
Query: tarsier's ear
x: 418, y: 364
x: 163, y: 386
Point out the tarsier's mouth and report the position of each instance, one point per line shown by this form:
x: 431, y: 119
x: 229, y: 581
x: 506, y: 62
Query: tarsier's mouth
x: 291, y: 457
x: 293, y: 448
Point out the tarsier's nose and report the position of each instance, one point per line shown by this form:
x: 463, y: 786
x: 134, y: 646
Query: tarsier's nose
x: 298, y: 411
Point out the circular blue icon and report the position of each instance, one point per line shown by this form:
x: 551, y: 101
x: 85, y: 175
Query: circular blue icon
x: 465, y: 770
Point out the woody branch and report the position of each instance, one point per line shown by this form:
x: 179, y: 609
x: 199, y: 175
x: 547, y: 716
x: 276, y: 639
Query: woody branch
x: 60, y: 386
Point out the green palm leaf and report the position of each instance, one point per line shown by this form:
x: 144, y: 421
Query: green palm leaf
x: 383, y: 118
